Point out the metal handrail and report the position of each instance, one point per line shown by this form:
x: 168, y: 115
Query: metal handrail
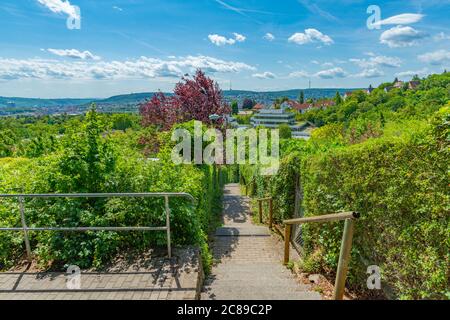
x: 346, y: 244
x: 25, y: 228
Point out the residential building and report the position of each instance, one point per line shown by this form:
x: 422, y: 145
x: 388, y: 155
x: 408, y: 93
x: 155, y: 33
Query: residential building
x: 258, y: 107
x: 347, y: 94
x: 273, y: 118
x: 398, y: 84
x: 412, y: 85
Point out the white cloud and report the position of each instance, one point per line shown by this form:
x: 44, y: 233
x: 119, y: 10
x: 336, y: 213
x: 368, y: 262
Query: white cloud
x: 370, y: 73
x: 401, y: 19
x: 299, y: 74
x: 61, y: 6
x: 269, y: 37
x: 327, y: 65
x: 74, y: 53
x: 401, y: 37
x: 331, y: 73
x: 264, y: 75
x: 219, y: 40
x: 441, y: 36
x: 411, y: 73
x: 310, y: 35
x: 142, y: 68
x: 438, y: 57
x: 377, y: 61
x: 117, y: 8
x: 239, y: 37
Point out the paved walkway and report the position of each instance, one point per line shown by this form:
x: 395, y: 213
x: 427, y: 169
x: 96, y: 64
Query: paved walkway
x: 249, y: 259
x: 150, y: 278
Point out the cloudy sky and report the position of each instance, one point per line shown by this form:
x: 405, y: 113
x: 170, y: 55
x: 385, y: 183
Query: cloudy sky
x: 49, y: 48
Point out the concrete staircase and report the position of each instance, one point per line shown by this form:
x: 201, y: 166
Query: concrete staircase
x: 249, y: 259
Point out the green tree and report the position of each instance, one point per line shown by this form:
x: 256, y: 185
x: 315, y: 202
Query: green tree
x: 301, y: 97
x: 285, y: 131
x: 338, y: 98
x: 234, y: 107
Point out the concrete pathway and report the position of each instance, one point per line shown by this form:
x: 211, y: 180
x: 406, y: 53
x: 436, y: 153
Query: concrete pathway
x: 249, y: 259
x: 148, y: 278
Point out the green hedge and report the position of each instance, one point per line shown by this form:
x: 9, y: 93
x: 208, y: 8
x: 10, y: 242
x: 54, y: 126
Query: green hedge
x: 400, y: 187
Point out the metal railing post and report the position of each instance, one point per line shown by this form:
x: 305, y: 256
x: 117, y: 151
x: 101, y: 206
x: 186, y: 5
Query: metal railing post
x: 25, y: 228
x: 169, y: 249
x: 344, y: 258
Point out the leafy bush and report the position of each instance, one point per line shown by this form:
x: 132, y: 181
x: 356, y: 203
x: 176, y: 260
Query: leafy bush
x: 92, y: 161
x: 399, y: 186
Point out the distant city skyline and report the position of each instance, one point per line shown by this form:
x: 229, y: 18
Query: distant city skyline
x: 143, y: 46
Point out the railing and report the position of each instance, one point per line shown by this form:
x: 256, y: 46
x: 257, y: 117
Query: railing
x: 260, y: 201
x: 346, y: 245
x: 26, y: 229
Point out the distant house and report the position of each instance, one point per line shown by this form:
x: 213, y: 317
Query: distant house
x: 398, y: 84
x: 258, y: 107
x: 369, y: 89
x: 347, y: 94
x: 412, y: 85
x: 303, y: 107
x: 324, y: 104
x: 245, y: 112
x: 300, y: 107
x: 287, y: 104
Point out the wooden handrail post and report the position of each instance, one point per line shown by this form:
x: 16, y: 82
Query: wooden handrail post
x: 260, y: 210
x: 270, y: 213
x: 344, y: 258
x: 287, y: 240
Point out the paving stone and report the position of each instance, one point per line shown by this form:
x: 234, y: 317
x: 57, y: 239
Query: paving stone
x: 149, y: 281
x: 248, y: 259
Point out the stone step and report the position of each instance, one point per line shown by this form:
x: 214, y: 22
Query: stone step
x: 258, y: 293
x: 263, y: 285
x: 232, y: 231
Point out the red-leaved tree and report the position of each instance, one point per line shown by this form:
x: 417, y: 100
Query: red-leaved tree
x: 193, y: 99
x: 161, y: 111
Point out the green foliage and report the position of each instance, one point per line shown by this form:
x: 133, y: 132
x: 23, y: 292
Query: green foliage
x: 431, y: 94
x: 399, y: 186
x: 234, y: 107
x: 301, y: 97
x: 386, y: 156
x: 243, y: 119
x: 285, y: 131
x: 338, y: 99
x: 91, y: 158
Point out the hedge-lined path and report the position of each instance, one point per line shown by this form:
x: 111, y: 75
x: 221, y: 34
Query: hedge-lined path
x: 248, y: 259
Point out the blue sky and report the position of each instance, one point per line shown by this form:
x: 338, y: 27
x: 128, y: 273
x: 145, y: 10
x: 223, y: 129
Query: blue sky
x: 146, y: 45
